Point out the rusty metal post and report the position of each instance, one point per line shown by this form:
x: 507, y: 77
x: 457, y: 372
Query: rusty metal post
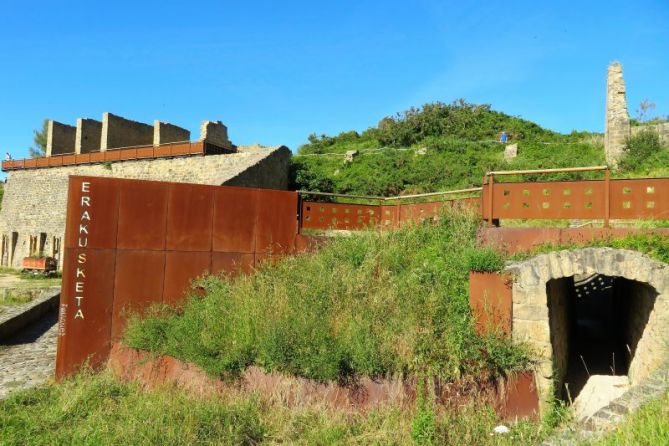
x: 299, y: 213
x: 490, y: 198
x: 607, y: 197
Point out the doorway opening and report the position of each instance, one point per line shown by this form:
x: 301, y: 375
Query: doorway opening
x: 596, y: 322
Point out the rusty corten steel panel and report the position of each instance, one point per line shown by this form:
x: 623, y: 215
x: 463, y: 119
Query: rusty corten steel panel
x: 112, y: 155
x: 42, y: 162
x: 69, y: 159
x: 97, y: 157
x: 232, y: 263
x: 86, y: 303
x: 185, y: 149
x: 180, y: 269
x: 138, y: 283
x: 276, y: 223
x: 316, y: 215
x: 145, y: 152
x: 546, y: 200
x: 521, y: 397
x: 142, y: 214
x: 190, y: 211
x: 82, y: 158
x: 640, y: 199
x: 491, y: 301
x: 92, y: 214
x: 234, y: 219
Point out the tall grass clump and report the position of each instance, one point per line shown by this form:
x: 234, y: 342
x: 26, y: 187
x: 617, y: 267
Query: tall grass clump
x: 99, y: 410
x: 373, y: 304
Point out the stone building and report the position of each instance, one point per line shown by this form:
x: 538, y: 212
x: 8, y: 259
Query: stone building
x: 617, y: 126
x: 32, y: 218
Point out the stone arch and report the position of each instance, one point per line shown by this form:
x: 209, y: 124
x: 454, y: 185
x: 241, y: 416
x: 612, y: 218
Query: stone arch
x: 532, y: 323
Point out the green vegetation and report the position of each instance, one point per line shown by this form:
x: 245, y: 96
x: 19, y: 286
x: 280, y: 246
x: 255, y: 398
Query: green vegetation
x: 649, y: 426
x: 39, y: 139
x: 96, y: 410
x: 460, y: 139
x: 484, y: 259
x: 15, y: 299
x: 653, y: 245
x: 373, y: 304
x: 460, y: 145
x: 644, y: 156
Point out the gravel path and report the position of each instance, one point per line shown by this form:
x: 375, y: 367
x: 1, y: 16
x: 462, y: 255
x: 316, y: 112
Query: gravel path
x: 28, y: 359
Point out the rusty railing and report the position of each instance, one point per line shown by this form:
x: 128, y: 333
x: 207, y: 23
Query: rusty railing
x: 119, y: 154
x: 386, y: 213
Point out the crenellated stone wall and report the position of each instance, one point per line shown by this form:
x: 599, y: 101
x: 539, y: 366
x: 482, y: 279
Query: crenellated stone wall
x: 34, y: 201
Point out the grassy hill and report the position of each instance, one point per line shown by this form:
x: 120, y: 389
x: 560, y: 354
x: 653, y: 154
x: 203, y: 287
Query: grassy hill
x: 450, y: 146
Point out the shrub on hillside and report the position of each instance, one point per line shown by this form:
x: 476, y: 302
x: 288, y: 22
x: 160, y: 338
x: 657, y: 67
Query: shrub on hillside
x: 640, y: 148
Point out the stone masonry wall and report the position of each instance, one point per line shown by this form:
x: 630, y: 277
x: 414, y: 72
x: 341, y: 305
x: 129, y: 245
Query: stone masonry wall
x: 559, y: 309
x: 120, y: 132
x: 215, y: 133
x: 59, y: 138
x: 164, y: 132
x: 531, y: 323
x: 35, y: 200
x: 661, y: 129
x: 617, y: 126
x: 88, y: 137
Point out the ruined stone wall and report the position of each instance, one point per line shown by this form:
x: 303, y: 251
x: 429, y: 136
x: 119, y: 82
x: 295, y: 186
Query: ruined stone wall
x: 661, y: 129
x: 617, y: 126
x: 88, y: 137
x: 215, y: 133
x: 35, y: 200
x: 164, y: 132
x: 120, y: 132
x: 59, y: 138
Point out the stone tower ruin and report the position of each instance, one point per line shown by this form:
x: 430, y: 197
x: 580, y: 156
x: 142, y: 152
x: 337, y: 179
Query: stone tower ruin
x: 617, y: 128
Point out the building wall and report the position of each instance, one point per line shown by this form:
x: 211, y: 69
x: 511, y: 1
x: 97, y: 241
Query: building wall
x: 35, y: 200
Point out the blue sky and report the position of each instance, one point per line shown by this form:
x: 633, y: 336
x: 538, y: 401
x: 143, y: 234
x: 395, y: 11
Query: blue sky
x: 275, y: 72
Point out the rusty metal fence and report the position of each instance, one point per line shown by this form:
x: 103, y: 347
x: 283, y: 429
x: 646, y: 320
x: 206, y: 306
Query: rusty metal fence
x: 387, y: 213
x: 121, y: 154
x: 606, y: 199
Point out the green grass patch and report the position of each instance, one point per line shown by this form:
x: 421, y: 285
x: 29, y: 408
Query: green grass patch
x: 653, y: 245
x: 649, y: 426
x: 99, y: 410
x: 15, y: 299
x: 372, y: 304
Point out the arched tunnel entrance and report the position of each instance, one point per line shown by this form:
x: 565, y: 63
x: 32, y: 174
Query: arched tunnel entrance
x: 596, y: 322
x: 591, y: 312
